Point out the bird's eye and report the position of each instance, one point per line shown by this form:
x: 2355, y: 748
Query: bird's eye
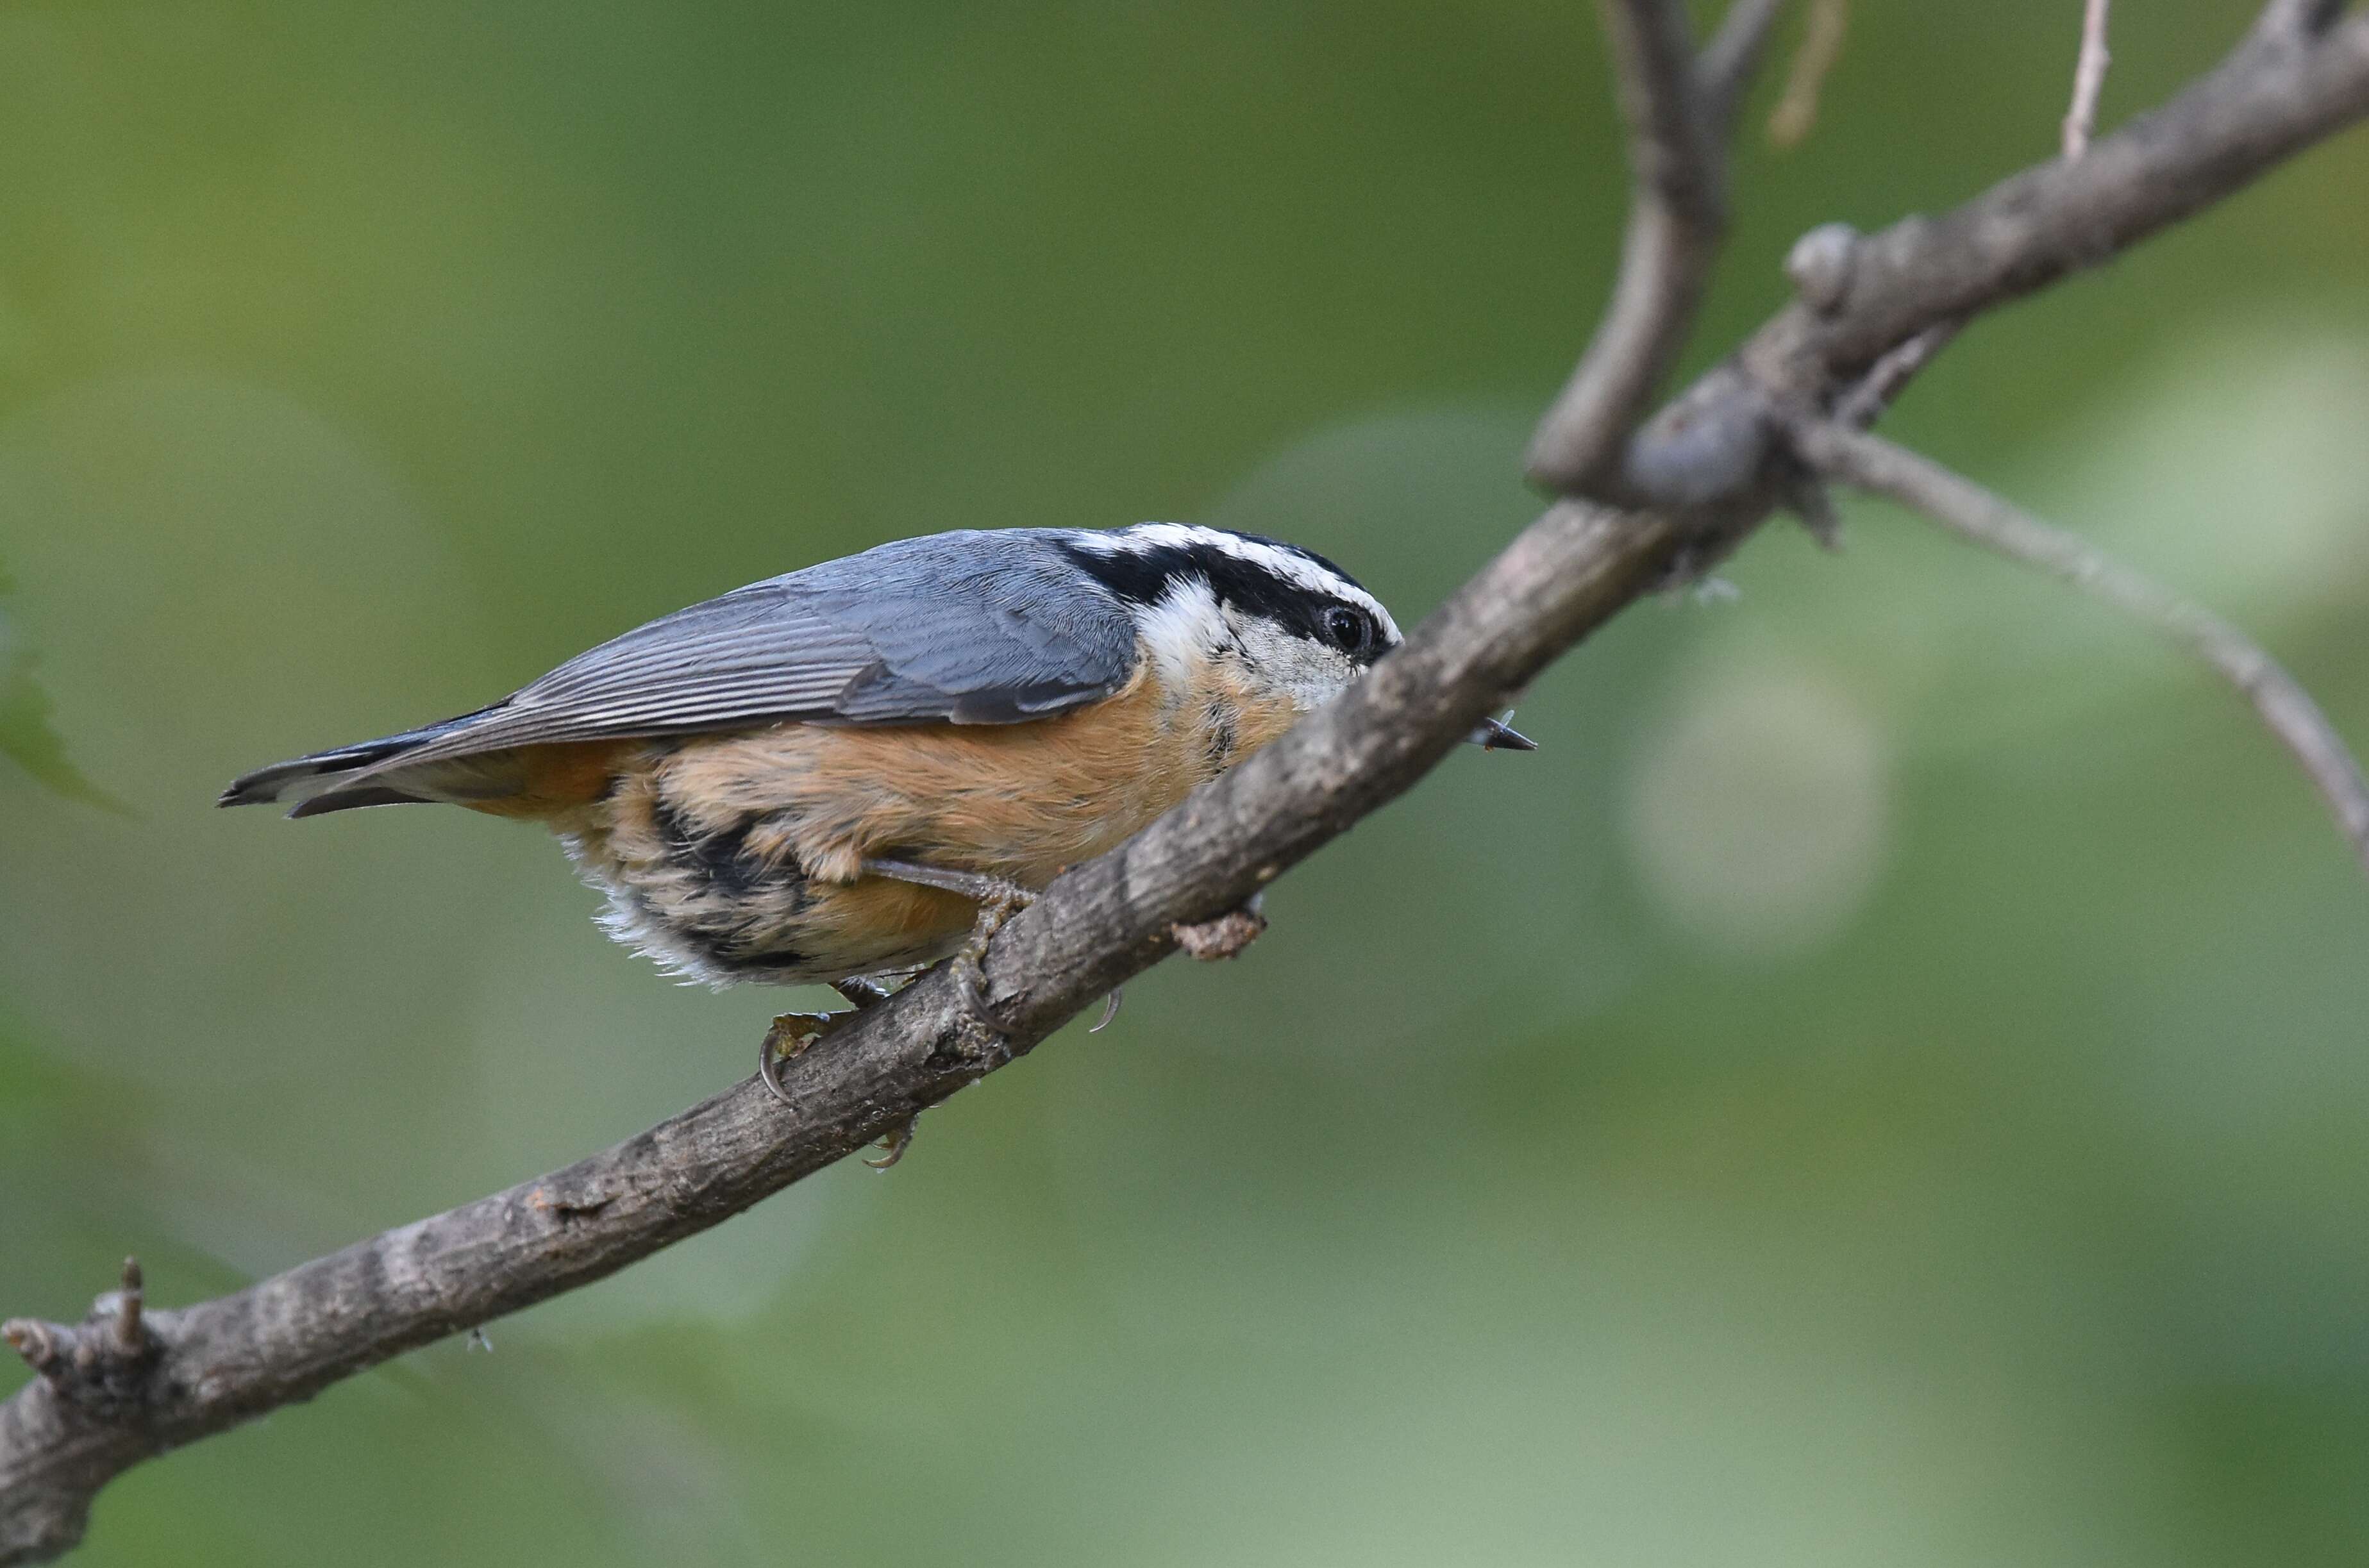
x: 1351, y: 631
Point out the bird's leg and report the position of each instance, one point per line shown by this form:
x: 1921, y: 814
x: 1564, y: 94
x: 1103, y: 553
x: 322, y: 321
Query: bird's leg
x: 998, y: 898
x: 998, y: 901
x: 980, y: 888
x: 861, y: 992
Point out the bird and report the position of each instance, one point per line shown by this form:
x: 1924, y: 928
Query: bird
x: 837, y: 774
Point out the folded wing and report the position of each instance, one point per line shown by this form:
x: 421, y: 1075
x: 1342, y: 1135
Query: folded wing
x: 961, y: 628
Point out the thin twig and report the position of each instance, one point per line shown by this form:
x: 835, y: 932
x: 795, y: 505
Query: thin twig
x: 1890, y: 376
x: 1729, y: 62
x: 1796, y: 113
x: 1981, y: 517
x: 2088, y: 78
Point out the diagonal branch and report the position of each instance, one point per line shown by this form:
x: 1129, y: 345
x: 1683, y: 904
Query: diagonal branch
x: 1975, y: 514
x: 202, y: 1369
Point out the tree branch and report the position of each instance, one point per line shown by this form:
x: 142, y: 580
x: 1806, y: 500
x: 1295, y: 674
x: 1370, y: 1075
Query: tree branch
x: 1712, y: 450
x: 1677, y: 214
x: 1975, y: 514
x: 1730, y: 61
x: 203, y: 1368
x: 2293, y: 18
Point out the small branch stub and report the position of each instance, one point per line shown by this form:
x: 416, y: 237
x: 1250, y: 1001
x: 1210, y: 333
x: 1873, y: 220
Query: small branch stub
x: 1820, y: 266
x: 32, y: 1340
x: 1224, y: 937
x: 130, y: 1335
x: 102, y: 1362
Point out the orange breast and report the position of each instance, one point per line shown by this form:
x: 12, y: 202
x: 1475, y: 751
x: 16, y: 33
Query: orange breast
x: 740, y: 856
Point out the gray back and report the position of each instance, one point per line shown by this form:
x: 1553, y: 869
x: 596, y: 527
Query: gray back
x: 970, y: 627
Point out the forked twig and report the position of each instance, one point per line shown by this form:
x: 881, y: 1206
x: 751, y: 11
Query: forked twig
x: 1973, y: 513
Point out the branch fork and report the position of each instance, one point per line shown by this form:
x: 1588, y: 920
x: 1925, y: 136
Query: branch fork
x: 103, y: 1364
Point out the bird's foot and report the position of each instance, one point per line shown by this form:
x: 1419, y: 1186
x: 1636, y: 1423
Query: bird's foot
x: 998, y: 901
x: 792, y: 1032
x: 788, y: 1038
x: 968, y: 964
x: 893, y: 1143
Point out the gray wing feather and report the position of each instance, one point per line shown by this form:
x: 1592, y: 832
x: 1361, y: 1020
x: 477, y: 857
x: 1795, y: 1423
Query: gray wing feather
x: 966, y: 628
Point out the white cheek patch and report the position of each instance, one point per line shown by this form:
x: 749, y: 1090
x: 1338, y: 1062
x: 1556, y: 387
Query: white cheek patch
x: 1182, y: 631
x: 1309, y: 673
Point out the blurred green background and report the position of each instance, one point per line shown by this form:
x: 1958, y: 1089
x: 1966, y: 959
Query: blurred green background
x: 1885, y: 1083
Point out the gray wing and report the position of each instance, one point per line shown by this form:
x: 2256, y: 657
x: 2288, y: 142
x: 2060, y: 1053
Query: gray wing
x: 966, y: 628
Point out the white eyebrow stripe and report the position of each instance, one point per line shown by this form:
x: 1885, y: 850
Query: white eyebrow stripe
x: 1288, y: 564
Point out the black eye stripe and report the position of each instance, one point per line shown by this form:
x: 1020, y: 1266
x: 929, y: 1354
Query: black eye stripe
x: 1145, y: 575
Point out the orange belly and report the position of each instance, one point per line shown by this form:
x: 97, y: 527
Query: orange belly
x: 739, y: 856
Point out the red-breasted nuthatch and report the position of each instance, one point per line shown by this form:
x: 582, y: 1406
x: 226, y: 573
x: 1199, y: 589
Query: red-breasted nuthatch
x: 825, y: 776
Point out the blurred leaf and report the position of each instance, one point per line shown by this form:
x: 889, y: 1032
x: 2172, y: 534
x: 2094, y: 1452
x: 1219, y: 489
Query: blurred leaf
x: 27, y: 737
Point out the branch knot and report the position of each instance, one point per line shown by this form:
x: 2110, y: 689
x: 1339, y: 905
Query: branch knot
x: 1820, y: 265
x: 106, y: 1364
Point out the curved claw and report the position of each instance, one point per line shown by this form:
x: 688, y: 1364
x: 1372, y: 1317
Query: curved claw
x: 893, y: 1145
x: 1110, y: 1011
x: 801, y: 1030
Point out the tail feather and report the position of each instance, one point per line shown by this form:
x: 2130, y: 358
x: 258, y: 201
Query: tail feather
x: 312, y: 782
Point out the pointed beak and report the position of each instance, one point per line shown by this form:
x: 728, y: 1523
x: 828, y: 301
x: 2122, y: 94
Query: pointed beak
x: 1493, y: 736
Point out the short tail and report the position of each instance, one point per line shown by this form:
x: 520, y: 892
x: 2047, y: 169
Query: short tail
x: 313, y: 785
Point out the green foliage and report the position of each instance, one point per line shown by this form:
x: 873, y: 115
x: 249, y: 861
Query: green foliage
x: 28, y: 738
